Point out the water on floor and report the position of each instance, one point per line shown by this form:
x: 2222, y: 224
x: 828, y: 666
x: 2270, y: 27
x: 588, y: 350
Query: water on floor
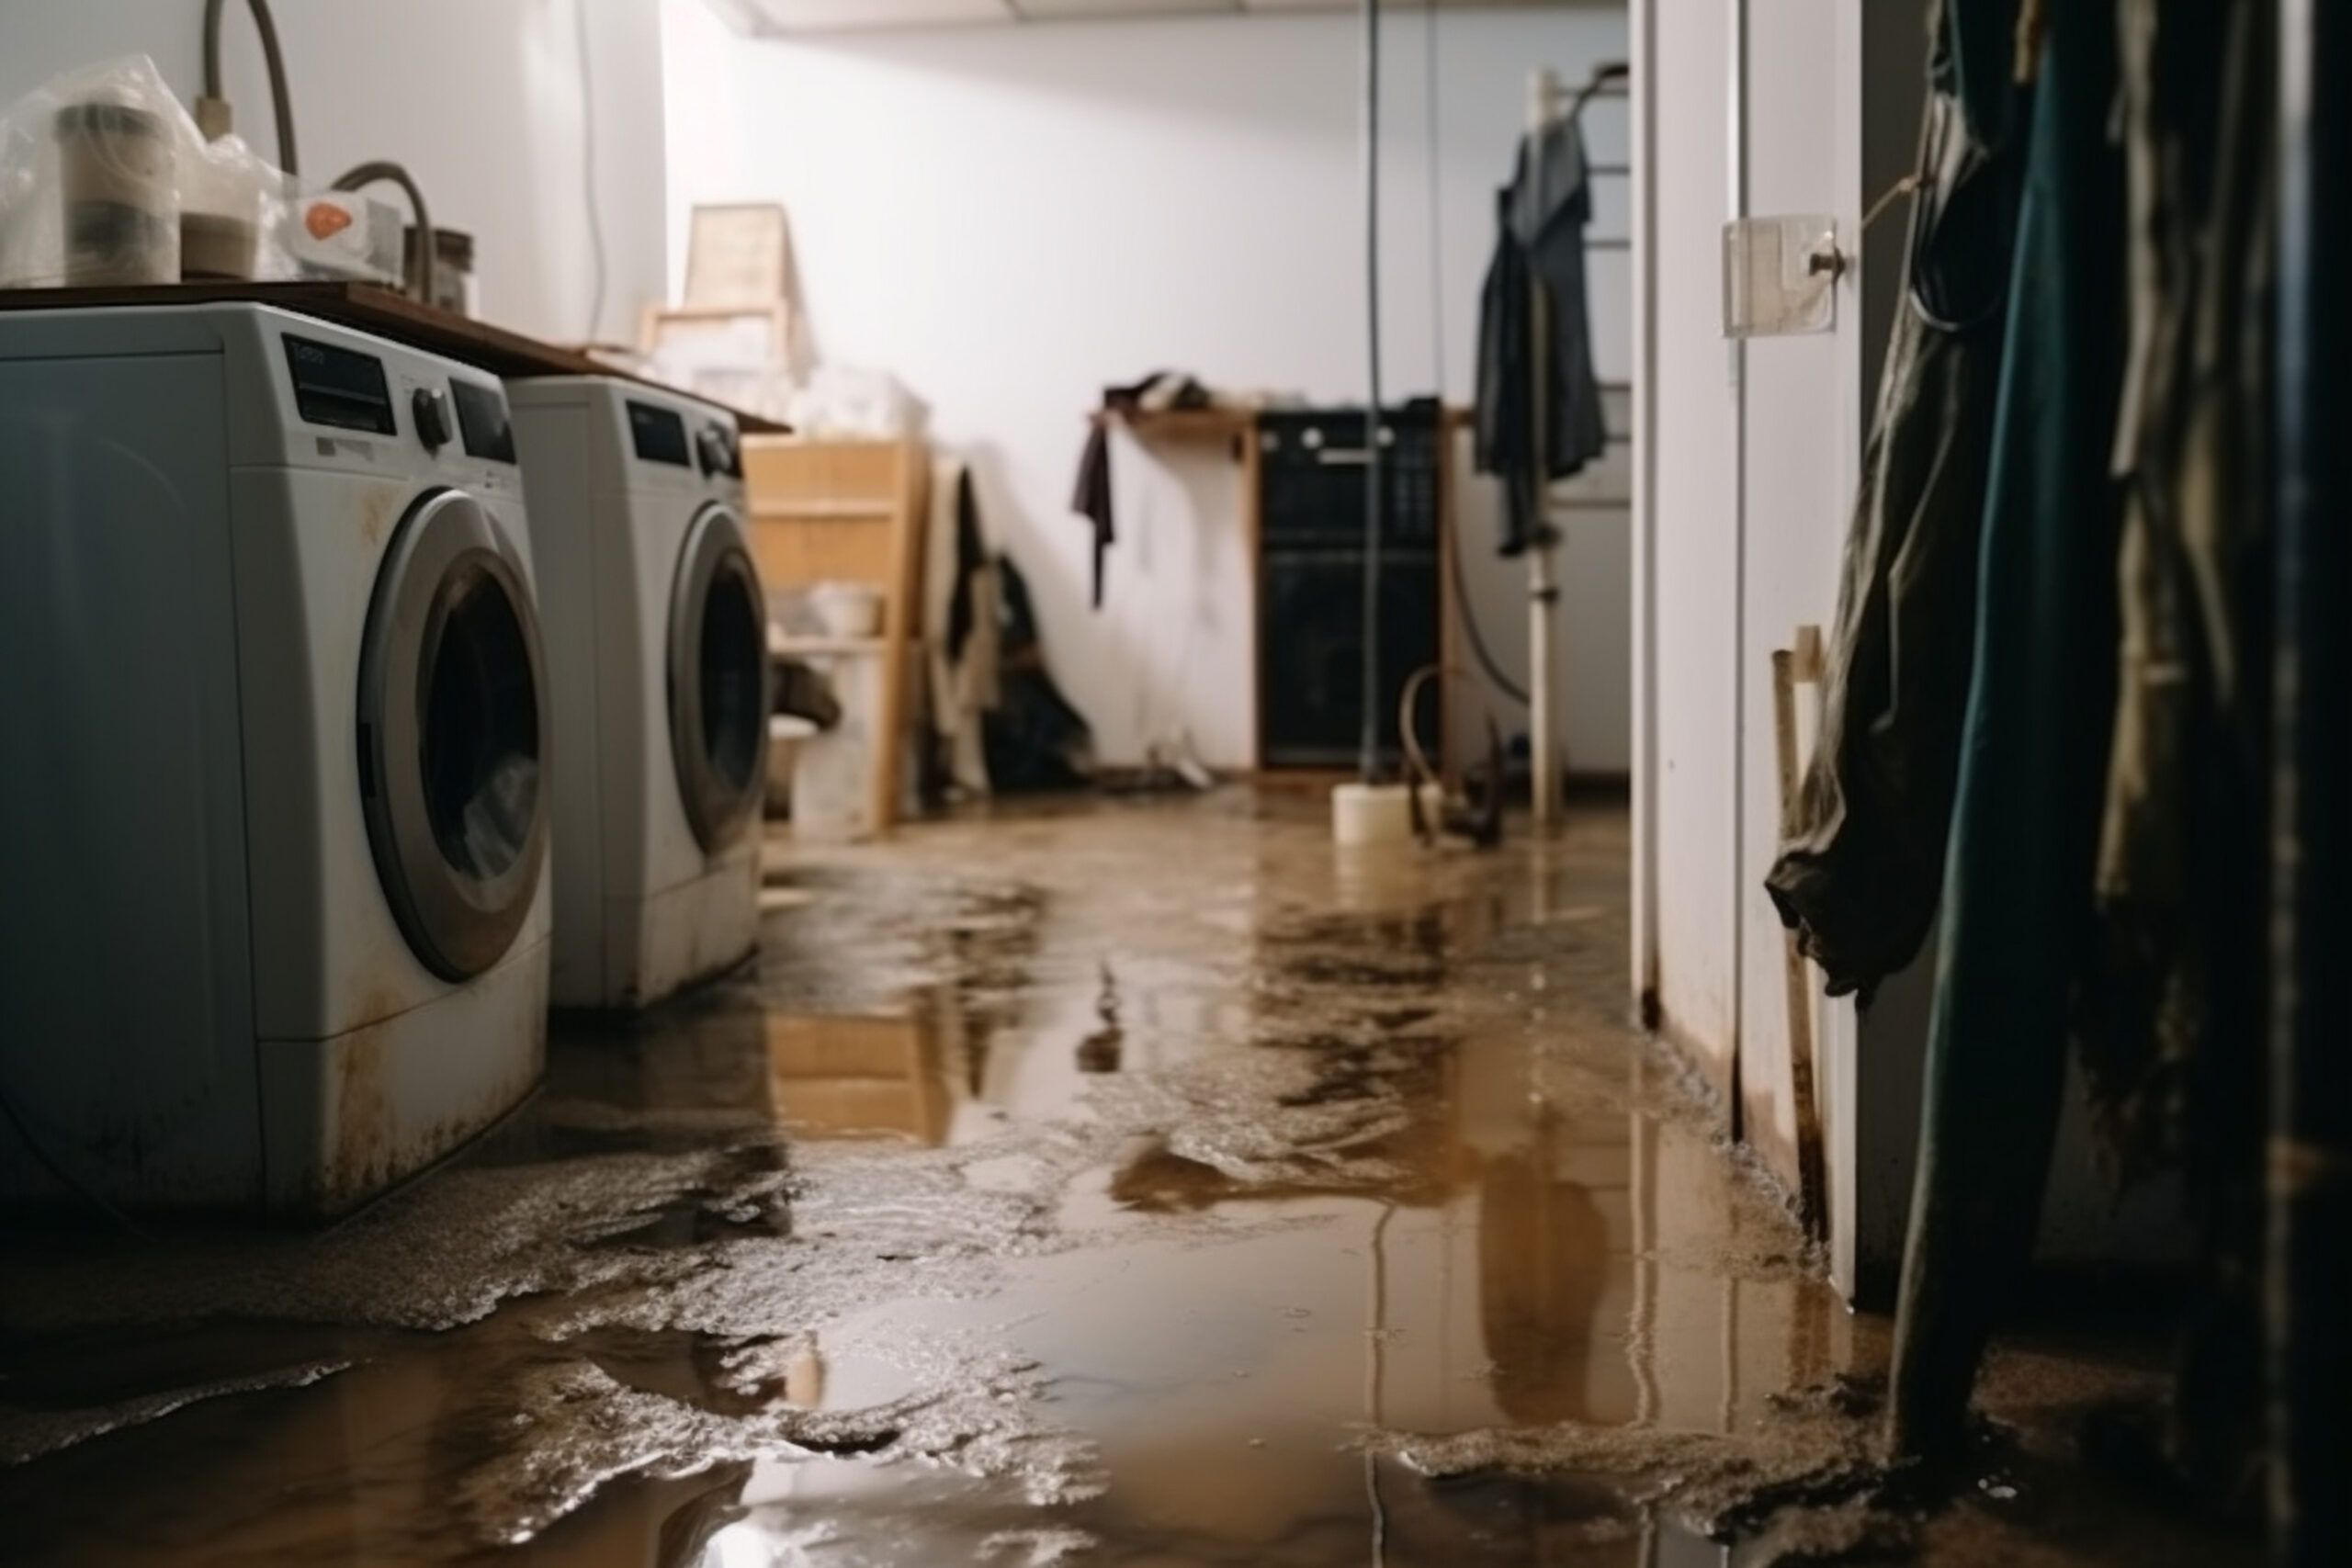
x: 1139, y: 1185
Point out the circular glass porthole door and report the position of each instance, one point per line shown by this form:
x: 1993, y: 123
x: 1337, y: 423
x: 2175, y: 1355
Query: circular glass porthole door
x: 718, y: 681
x: 453, y: 731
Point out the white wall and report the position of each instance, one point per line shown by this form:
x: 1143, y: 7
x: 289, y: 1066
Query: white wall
x: 1690, y: 461
x: 480, y: 98
x: 1010, y: 218
x: 1800, y: 447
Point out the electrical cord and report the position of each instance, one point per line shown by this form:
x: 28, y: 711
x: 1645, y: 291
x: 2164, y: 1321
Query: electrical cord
x: 588, y: 175
x: 1492, y: 667
x: 282, y: 98
x: 1368, y: 757
x: 1495, y: 674
x: 1418, y: 767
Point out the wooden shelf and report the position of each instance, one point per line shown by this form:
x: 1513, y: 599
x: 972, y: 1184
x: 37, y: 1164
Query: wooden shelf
x: 371, y: 309
x: 1182, y: 424
x: 850, y: 511
x: 826, y: 647
x: 846, y: 510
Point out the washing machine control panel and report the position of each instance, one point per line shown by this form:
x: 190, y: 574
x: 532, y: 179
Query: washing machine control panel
x: 680, y: 447
x: 340, y: 388
x: 429, y: 411
x: 483, y: 420
x: 367, y: 406
x: 715, y: 451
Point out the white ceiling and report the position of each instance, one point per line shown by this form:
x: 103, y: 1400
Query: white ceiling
x: 783, y: 16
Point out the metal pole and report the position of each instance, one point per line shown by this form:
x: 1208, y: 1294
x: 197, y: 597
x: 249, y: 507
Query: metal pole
x: 1543, y: 589
x: 1368, y: 756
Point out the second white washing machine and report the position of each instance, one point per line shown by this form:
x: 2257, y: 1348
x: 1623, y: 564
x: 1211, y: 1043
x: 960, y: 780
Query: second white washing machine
x: 658, y: 669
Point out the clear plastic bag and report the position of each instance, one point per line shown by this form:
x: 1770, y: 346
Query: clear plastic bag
x: 105, y: 180
x: 233, y: 207
x: 89, y: 179
x: 843, y: 400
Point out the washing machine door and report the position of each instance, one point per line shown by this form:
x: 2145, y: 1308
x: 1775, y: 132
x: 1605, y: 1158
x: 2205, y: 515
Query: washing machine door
x: 453, y: 734
x: 718, y: 681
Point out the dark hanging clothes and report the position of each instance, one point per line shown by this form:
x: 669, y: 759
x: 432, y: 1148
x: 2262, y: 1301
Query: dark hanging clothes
x: 2175, y: 1002
x: 2171, y: 1008
x: 1861, y: 862
x: 1033, y: 738
x: 2016, y: 916
x: 1092, y: 500
x: 1090, y: 497
x: 1534, y: 307
x: 971, y: 561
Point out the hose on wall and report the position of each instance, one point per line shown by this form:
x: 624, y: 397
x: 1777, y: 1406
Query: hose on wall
x: 212, y: 109
x: 1368, y: 756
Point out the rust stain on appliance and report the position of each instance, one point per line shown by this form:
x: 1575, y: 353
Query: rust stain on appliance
x: 379, y: 509
x: 361, y: 1118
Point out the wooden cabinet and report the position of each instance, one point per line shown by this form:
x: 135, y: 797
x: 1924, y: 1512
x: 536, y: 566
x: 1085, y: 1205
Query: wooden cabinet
x: 850, y: 511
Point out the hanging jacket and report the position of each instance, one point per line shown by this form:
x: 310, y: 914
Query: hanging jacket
x: 1536, y: 285
x: 1861, y: 861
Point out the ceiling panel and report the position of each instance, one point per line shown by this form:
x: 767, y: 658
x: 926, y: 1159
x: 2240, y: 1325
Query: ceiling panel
x: 853, y: 15
x: 1066, y: 10
x: 784, y: 16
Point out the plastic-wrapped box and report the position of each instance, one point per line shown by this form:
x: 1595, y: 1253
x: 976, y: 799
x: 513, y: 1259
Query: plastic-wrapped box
x: 341, y: 234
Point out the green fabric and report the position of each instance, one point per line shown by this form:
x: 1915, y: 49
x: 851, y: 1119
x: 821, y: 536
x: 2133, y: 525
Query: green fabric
x: 1861, y: 860
x: 1983, y: 65
x: 2016, y: 898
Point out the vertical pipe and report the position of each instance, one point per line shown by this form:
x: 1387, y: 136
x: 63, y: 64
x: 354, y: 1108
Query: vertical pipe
x: 2310, y: 1267
x: 1646, y: 923
x: 1375, y: 469
x: 1542, y: 591
x: 1735, y: 198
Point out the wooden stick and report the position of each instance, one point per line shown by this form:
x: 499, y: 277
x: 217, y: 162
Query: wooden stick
x: 1813, y: 1196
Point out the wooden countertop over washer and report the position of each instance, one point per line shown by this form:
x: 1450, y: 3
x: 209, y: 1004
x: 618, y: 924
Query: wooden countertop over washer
x: 372, y: 309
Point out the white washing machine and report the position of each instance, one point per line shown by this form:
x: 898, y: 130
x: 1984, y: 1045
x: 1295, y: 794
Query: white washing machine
x: 657, y: 654
x: 272, y: 806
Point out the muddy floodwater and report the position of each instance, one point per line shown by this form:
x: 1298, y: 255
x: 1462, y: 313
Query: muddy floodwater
x: 1112, y: 1184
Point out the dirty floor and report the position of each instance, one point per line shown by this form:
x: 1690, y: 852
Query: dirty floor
x: 1114, y: 1184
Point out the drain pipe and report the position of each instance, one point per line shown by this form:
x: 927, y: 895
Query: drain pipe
x: 1367, y: 811
x: 214, y: 116
x: 1542, y: 584
x: 1375, y: 469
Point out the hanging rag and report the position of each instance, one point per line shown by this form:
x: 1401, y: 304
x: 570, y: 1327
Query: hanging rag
x: 1092, y: 499
x: 2017, y: 919
x: 1533, y: 308
x: 1861, y: 860
x: 961, y: 631
x: 1091, y: 496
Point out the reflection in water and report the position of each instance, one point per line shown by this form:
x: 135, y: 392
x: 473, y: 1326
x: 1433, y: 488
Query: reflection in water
x: 1342, y: 1143
x: 1543, y: 1264
x: 858, y: 1077
x: 1100, y: 1052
